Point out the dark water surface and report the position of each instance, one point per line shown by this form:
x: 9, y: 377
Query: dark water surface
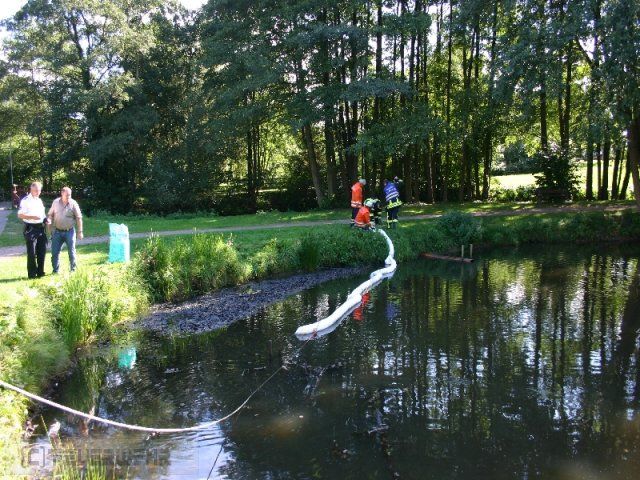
x: 521, y: 365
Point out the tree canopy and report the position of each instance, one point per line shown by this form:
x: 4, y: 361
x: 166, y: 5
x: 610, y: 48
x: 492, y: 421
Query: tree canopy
x: 143, y: 105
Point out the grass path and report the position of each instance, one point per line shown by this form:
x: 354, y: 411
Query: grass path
x: 5, y: 211
x: 413, y: 215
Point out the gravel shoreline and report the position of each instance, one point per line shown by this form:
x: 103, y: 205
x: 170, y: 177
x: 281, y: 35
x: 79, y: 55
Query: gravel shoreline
x: 223, y: 307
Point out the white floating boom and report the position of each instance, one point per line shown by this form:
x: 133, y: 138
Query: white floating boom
x: 354, y: 299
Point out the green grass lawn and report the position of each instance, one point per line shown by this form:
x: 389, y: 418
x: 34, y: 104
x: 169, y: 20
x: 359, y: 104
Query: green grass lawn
x: 13, y: 270
x: 511, y: 182
x: 99, y: 225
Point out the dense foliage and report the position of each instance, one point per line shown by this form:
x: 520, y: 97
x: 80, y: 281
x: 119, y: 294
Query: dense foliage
x: 247, y: 105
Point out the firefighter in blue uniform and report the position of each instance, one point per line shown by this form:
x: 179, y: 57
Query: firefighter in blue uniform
x: 392, y: 199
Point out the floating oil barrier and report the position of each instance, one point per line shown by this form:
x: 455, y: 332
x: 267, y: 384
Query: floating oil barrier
x: 330, y: 323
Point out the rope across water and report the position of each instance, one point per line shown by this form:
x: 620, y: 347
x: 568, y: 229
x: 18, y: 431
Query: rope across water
x: 308, y: 332
x: 139, y: 428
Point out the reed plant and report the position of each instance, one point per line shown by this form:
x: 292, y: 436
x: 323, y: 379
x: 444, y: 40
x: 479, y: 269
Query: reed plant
x: 88, y: 303
x: 72, y: 463
x: 277, y: 256
x: 189, y: 267
x: 81, y: 307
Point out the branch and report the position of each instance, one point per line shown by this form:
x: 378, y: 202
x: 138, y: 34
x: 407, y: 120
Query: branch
x: 585, y: 54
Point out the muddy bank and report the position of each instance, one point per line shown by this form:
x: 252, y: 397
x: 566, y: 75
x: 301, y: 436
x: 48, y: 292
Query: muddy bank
x: 221, y: 308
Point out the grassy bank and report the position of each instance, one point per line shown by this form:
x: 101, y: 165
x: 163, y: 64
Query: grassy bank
x: 98, y: 225
x: 43, y: 322
x: 174, y: 269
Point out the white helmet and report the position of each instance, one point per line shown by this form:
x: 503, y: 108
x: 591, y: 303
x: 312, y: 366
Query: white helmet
x: 368, y: 203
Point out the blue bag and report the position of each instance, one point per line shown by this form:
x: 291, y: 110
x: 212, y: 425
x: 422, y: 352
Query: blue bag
x: 119, y: 249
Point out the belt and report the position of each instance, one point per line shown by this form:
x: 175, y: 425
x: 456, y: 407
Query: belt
x: 63, y: 230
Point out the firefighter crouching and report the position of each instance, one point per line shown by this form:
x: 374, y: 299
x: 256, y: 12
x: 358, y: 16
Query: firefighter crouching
x: 392, y: 199
x: 375, y: 210
x: 363, y: 217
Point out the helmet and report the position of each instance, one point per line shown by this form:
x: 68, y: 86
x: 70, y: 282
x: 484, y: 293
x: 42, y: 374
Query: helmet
x: 369, y: 202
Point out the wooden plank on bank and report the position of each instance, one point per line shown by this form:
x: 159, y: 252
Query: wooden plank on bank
x: 435, y: 256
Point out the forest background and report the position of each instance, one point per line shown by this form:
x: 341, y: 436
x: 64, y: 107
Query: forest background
x: 240, y: 106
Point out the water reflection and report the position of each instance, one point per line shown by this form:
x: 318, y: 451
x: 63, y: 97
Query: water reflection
x: 522, y: 365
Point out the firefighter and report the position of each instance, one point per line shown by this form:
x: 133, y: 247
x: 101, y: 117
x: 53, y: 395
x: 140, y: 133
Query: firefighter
x: 392, y: 199
x: 356, y: 198
x: 375, y: 210
x: 363, y: 217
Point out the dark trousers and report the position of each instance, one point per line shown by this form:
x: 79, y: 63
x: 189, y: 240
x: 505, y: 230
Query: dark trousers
x: 392, y: 216
x: 36, y: 240
x: 354, y: 214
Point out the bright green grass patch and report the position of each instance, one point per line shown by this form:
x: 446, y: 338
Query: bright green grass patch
x: 12, y: 233
x: 513, y: 181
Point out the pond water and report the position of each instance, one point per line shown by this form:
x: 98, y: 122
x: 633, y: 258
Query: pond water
x: 523, y: 364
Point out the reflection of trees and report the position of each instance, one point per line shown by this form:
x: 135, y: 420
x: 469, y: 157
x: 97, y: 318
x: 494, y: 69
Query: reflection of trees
x: 627, y: 344
x: 501, y: 366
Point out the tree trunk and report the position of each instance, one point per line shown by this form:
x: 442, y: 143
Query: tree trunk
x: 377, y: 101
x: 565, y: 112
x: 475, y: 188
x: 567, y: 98
x: 544, y: 137
x: 589, y: 189
x: 330, y: 157
x: 615, y: 180
x: 627, y: 176
x: 633, y: 136
x: 250, y: 177
x: 592, y: 92
x: 487, y: 147
x: 603, y: 194
x: 599, y: 168
x: 465, y: 148
x: 428, y: 172
x: 445, y: 173
x: 329, y: 114
x: 307, y: 138
x: 307, y: 135
x: 46, y: 177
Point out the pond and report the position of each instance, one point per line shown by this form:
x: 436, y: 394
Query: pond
x: 523, y: 364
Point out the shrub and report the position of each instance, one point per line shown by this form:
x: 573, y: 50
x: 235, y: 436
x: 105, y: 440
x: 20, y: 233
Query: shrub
x: 460, y: 228
x: 277, y: 256
x: 347, y: 247
x: 81, y: 307
x: 523, y: 193
x: 189, y: 267
x: 309, y: 253
x: 557, y: 172
x: 515, y: 160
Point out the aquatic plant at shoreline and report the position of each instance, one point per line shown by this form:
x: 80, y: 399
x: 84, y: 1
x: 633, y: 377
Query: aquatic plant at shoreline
x: 188, y: 267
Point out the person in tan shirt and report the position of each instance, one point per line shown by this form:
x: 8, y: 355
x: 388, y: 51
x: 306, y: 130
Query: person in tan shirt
x: 64, y: 216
